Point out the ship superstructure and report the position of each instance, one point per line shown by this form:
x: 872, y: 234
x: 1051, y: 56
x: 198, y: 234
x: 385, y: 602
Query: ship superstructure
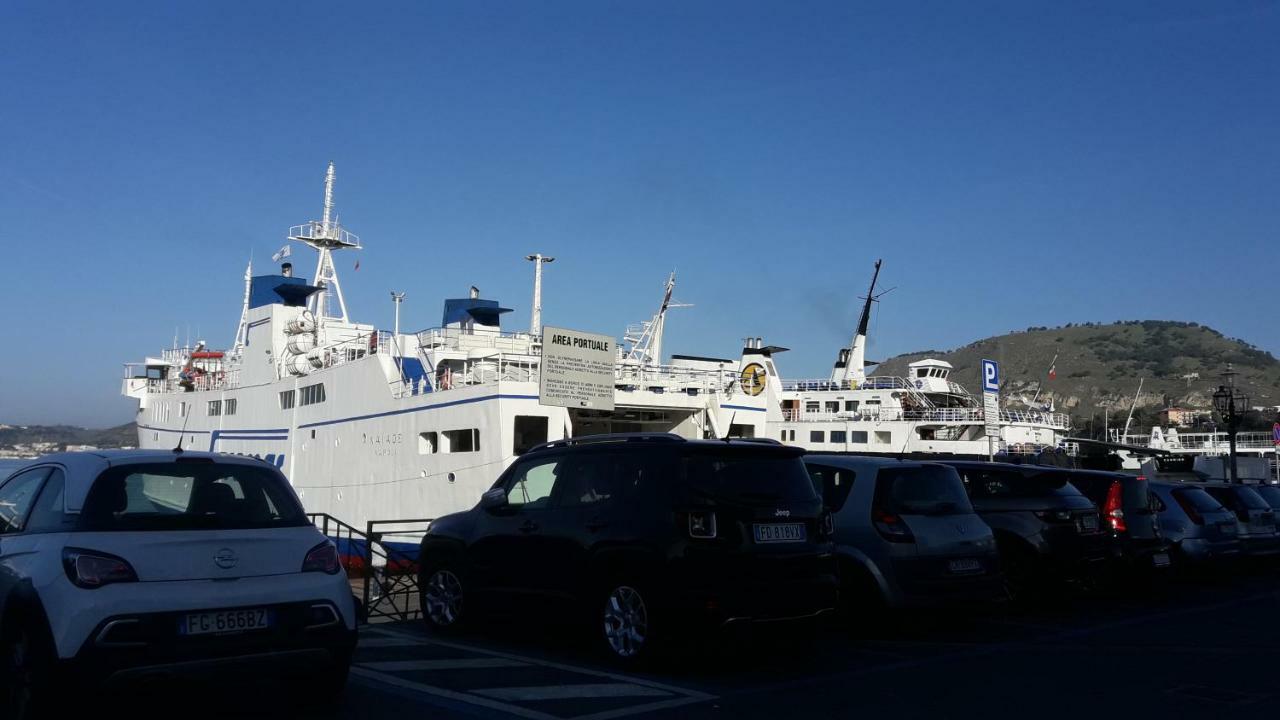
x: 375, y: 424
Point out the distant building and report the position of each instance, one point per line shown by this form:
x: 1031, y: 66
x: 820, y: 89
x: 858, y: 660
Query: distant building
x: 1181, y: 417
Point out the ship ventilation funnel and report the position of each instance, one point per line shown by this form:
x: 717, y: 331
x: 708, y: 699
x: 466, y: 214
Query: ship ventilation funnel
x: 286, y: 269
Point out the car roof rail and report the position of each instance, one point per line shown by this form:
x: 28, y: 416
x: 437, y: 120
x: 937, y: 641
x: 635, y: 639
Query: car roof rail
x: 757, y: 440
x: 607, y: 438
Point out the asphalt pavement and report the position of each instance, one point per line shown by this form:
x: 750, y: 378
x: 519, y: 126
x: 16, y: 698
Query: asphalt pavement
x: 1189, y: 649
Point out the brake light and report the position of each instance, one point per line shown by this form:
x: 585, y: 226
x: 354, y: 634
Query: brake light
x: 322, y: 558
x: 1113, y: 510
x: 1188, y: 508
x: 702, y: 525
x: 891, y: 527
x: 90, y: 569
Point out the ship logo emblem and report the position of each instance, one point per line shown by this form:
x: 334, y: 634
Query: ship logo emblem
x: 753, y: 379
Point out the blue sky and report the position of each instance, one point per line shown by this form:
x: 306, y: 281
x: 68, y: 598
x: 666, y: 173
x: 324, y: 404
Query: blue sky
x: 1015, y: 164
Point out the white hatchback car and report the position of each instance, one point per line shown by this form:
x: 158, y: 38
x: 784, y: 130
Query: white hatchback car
x: 120, y: 564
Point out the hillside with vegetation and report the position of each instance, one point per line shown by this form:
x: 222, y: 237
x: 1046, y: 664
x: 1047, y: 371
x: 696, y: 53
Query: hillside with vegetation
x: 63, y: 435
x: 1099, y: 366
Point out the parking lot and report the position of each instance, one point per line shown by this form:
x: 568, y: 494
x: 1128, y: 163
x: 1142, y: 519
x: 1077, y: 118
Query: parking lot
x: 1196, y: 647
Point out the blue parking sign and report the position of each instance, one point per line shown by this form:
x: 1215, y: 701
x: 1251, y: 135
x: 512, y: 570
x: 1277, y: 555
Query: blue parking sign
x: 990, y: 376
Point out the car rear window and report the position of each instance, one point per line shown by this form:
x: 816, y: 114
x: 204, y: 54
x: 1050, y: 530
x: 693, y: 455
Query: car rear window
x: 1240, y: 498
x: 190, y: 496
x: 999, y: 483
x: 927, y: 490
x: 1271, y: 494
x: 747, y: 476
x: 1199, y: 499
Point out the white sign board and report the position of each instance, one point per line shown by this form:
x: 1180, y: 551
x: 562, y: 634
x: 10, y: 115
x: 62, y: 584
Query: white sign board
x: 577, y: 369
x: 991, y: 404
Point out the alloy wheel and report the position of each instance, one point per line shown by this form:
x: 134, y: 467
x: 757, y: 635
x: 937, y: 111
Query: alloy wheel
x: 626, y: 622
x: 443, y: 598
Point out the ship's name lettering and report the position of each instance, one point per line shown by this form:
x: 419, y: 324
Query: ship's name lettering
x: 580, y: 342
x: 383, y: 438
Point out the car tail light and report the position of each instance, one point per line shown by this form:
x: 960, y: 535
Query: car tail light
x: 322, y: 558
x: 891, y: 527
x: 91, y: 569
x: 702, y: 525
x: 1189, y: 508
x: 1112, y: 510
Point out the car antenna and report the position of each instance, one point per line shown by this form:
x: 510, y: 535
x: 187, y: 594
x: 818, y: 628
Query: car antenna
x: 185, y: 418
x: 729, y: 430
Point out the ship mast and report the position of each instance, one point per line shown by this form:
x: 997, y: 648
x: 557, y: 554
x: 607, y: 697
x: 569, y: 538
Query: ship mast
x: 645, y: 338
x: 850, y: 365
x: 535, y: 322
x: 326, y: 235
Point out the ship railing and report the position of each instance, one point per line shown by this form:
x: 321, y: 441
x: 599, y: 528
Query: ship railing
x: 1211, y: 442
x: 381, y: 562
x: 875, y: 382
x: 1056, y: 421
x: 200, y: 382
x: 462, y: 339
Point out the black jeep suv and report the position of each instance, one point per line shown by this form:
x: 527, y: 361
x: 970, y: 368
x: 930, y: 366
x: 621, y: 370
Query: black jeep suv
x: 636, y: 534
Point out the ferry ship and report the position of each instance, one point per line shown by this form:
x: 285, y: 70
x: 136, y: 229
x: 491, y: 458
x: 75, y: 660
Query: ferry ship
x: 370, y: 424
x: 927, y: 412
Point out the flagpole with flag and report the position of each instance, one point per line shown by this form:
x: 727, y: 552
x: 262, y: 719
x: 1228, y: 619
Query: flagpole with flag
x: 1053, y: 375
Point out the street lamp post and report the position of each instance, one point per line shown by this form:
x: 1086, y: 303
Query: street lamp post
x: 1231, y: 405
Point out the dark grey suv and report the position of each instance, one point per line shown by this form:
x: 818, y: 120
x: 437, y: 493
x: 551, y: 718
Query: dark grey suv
x: 636, y: 535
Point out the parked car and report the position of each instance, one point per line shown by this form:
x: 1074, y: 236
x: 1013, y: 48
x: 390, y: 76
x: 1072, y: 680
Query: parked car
x: 905, y: 533
x: 1270, y: 493
x: 1128, y: 516
x: 637, y: 535
x: 115, y: 565
x: 1200, y: 528
x: 1045, y: 530
x: 1255, y: 520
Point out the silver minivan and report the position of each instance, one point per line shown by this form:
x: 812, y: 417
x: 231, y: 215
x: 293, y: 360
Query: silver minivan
x: 905, y: 533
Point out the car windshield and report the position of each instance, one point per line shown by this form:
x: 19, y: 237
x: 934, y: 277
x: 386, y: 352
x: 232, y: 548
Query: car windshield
x: 925, y: 490
x: 1269, y: 493
x: 748, y: 476
x: 1199, y: 499
x: 190, y: 496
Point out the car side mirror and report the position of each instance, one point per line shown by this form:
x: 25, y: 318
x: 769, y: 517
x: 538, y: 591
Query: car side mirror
x: 493, y: 499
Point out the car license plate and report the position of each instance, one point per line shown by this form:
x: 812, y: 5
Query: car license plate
x: 1088, y: 523
x: 224, y: 621
x: 791, y: 532
x: 964, y: 566
x: 1160, y: 559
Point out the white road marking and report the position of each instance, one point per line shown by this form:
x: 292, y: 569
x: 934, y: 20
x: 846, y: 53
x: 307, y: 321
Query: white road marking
x: 449, y: 664
x: 622, y: 686
x: 571, y: 692
x: 385, y: 642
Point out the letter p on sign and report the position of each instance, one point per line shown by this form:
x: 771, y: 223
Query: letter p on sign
x: 990, y: 376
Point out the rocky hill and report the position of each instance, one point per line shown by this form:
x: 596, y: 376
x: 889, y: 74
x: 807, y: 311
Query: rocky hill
x: 1100, y: 365
x: 63, y: 435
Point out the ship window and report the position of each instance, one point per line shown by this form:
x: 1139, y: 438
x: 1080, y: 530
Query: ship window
x: 922, y: 372
x: 812, y: 406
x: 793, y: 436
x: 858, y: 436
x: 229, y: 406
x: 311, y: 394
x: 851, y: 406
x: 838, y: 436
x: 182, y: 409
x: 215, y: 407
x: 530, y: 430
x: 816, y: 436
x: 460, y: 441
x: 833, y: 406
x: 286, y: 399
x: 428, y: 442
x: 883, y: 437
x: 784, y: 436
